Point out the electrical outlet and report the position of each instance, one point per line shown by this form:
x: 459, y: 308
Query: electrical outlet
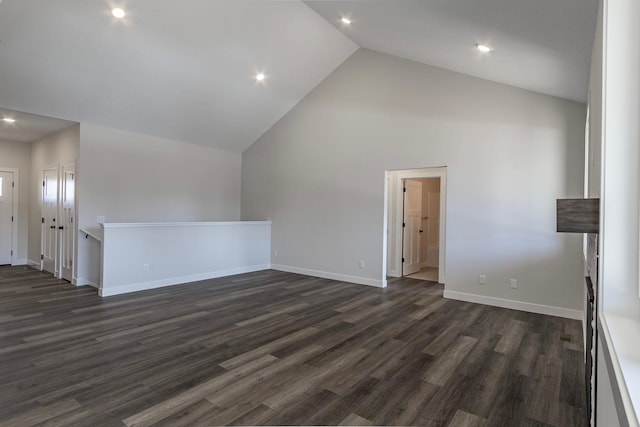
x: 513, y: 283
x: 275, y: 253
x: 361, y: 265
x: 145, y: 267
x: 101, y: 219
x: 483, y: 279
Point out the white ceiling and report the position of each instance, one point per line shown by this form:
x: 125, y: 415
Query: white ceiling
x: 184, y: 70
x: 540, y: 45
x: 180, y: 70
x: 28, y: 127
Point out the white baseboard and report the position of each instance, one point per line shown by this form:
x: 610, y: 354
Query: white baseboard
x: 22, y: 261
x: 153, y: 284
x: 32, y: 263
x: 332, y: 276
x: 516, y: 305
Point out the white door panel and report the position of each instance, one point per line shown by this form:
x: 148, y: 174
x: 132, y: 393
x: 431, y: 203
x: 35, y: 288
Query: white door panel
x: 6, y: 217
x: 67, y: 220
x: 433, y: 229
x: 49, y: 225
x: 412, y: 221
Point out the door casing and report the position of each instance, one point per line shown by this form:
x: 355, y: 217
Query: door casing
x: 392, y: 223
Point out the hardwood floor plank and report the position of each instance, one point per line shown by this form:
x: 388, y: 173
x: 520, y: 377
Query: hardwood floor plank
x: 410, y: 407
x: 257, y: 416
x: 42, y: 414
x: 542, y: 399
x: 441, y: 408
x: 485, y: 387
x: 465, y: 419
x: 194, y: 414
x: 448, y: 362
x: 272, y: 347
x: 300, y: 413
x: 512, y: 337
x: 571, y: 373
x: 314, y: 377
x: 194, y: 394
x: 355, y: 420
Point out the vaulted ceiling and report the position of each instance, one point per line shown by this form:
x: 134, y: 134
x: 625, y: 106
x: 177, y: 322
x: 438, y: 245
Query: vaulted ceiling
x: 539, y: 45
x: 186, y: 70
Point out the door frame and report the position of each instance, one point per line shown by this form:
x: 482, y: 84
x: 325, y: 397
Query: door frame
x: 15, y: 199
x: 392, y: 228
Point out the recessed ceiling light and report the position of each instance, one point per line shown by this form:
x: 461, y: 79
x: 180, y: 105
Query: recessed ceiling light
x: 8, y: 120
x: 260, y: 77
x: 346, y: 20
x: 483, y: 48
x: 118, y: 13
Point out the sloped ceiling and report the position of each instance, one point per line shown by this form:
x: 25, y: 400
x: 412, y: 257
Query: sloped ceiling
x: 185, y: 70
x: 28, y: 127
x: 181, y: 70
x: 540, y: 45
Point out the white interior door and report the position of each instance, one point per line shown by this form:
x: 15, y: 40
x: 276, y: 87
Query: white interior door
x: 433, y: 229
x: 6, y: 217
x: 411, y: 227
x: 49, y: 225
x: 66, y: 226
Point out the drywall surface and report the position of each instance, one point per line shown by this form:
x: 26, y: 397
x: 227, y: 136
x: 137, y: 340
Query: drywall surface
x: 606, y: 413
x: 318, y: 174
x: 18, y: 155
x: 52, y: 151
x: 147, y: 256
x: 615, y: 88
x: 130, y: 177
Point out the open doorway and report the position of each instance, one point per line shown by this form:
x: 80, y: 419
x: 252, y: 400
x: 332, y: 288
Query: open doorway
x: 421, y: 230
x: 415, y: 224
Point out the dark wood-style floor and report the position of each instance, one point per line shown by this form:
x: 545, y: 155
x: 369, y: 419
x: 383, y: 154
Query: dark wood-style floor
x: 279, y: 349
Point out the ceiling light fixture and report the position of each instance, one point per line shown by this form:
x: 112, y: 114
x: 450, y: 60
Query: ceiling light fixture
x: 346, y: 20
x: 8, y: 120
x: 260, y: 77
x: 117, y: 12
x: 483, y: 48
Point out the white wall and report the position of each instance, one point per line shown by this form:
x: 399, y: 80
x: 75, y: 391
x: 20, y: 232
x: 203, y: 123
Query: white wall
x: 615, y: 99
x: 129, y: 177
x: 510, y: 154
x: 147, y: 256
x: 53, y: 150
x: 606, y: 414
x: 18, y: 155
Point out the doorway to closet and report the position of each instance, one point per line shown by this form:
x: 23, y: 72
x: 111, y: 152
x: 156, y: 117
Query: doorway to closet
x: 415, y: 223
x: 421, y: 228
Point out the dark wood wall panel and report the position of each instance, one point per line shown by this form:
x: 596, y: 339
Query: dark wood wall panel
x: 578, y: 215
